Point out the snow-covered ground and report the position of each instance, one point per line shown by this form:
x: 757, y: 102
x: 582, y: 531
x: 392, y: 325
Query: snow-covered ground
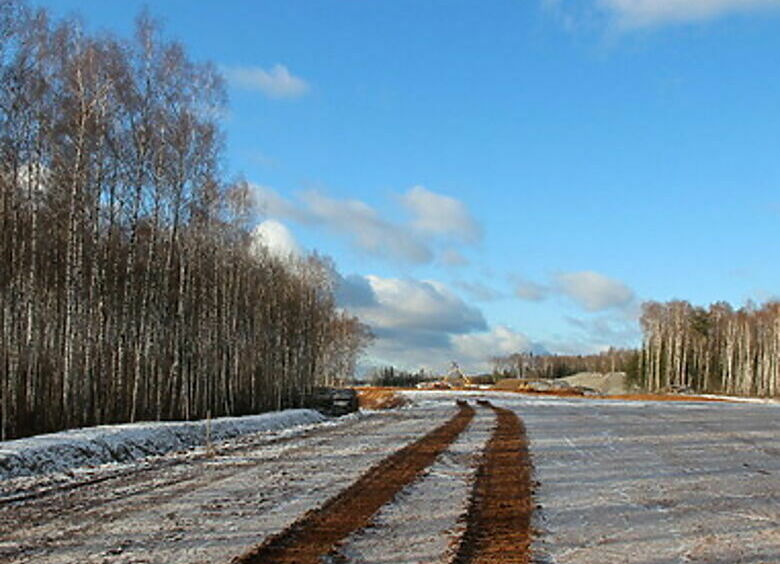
x: 656, y: 482
x: 211, y: 508
x: 618, y: 481
x: 651, y: 482
x: 57, y: 452
x: 420, y: 525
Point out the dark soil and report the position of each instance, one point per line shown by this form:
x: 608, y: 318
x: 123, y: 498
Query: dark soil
x: 498, y: 522
x: 318, y: 531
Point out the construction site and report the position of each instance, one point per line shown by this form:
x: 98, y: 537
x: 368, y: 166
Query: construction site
x: 437, y: 476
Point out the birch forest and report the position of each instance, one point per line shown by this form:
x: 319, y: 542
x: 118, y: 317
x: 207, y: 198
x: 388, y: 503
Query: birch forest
x: 131, y: 287
x: 715, y: 349
x: 533, y: 366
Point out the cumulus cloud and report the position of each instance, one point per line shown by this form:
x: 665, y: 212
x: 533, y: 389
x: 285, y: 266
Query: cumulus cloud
x: 531, y: 291
x: 499, y: 341
x: 593, y: 291
x: 424, y: 324
x: 441, y: 215
x: 634, y: 14
x: 474, y: 352
x: 274, y: 236
x: 276, y: 82
x: 354, y: 291
x: 419, y: 305
x: 367, y: 230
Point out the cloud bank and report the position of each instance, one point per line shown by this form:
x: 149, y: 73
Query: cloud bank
x: 435, y: 223
x: 422, y: 323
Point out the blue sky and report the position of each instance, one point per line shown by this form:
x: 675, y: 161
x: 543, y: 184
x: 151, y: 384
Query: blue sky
x: 502, y: 175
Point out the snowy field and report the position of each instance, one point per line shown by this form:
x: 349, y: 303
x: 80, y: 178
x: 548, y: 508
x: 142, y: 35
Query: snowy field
x: 652, y: 482
x: 617, y: 481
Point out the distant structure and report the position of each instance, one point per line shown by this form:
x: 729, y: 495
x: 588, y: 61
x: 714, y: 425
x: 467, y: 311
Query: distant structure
x: 455, y: 376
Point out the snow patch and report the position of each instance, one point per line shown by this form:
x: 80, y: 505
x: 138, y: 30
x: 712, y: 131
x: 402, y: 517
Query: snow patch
x: 57, y: 452
x: 743, y: 399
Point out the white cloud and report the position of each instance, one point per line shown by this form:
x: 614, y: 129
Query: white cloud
x: 418, y: 305
x: 371, y: 233
x: 451, y: 257
x: 366, y: 229
x: 478, y: 291
x: 275, y: 237
x: 441, y: 215
x: 593, y: 291
x: 423, y: 324
x: 276, y: 82
x: 270, y: 204
x: 601, y: 333
x: 354, y: 291
x: 473, y: 352
x: 633, y: 14
x: 531, y: 291
x: 643, y: 13
x: 477, y: 349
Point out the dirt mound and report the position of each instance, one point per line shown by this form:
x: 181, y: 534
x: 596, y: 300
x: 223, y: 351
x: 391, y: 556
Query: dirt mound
x: 380, y: 399
x: 612, y: 383
x: 528, y: 386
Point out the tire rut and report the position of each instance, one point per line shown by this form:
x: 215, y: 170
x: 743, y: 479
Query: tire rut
x: 94, y: 504
x: 317, y: 533
x: 498, y: 522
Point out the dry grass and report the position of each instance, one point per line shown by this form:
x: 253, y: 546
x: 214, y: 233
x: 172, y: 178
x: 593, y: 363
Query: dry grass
x: 380, y: 398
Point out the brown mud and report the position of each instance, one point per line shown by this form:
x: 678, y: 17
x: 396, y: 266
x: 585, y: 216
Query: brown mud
x: 380, y: 399
x: 319, y: 531
x: 498, y: 522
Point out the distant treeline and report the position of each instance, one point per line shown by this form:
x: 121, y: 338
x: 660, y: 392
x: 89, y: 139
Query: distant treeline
x: 130, y: 286
x: 395, y: 377
x: 534, y: 366
x: 715, y: 349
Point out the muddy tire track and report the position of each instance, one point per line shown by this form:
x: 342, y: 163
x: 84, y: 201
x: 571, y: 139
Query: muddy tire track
x: 317, y: 533
x: 35, y: 524
x: 498, y: 522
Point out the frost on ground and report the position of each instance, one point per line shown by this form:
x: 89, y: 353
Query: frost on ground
x: 651, y: 482
x: 636, y: 482
x: 57, y: 452
x: 211, y: 509
x: 655, y: 483
x: 421, y: 523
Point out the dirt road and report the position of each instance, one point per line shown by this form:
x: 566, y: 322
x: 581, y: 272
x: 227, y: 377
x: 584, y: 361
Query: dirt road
x: 638, y: 482
x: 499, y: 517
